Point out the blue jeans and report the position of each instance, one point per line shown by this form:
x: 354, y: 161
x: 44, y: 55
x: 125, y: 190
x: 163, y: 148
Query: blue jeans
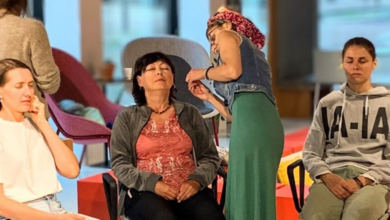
x: 48, y: 204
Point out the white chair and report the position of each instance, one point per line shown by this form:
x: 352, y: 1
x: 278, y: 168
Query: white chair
x: 327, y: 70
x: 184, y: 54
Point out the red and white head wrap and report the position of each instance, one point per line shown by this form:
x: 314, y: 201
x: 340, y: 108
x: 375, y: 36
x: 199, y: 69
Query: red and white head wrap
x: 244, y: 26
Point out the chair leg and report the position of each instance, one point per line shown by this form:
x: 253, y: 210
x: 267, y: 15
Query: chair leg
x: 106, y: 149
x: 82, y: 156
x: 214, y: 187
x: 215, y: 131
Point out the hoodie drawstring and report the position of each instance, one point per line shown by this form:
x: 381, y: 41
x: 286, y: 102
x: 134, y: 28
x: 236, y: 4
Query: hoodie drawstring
x: 342, y: 114
x: 341, y: 118
x: 366, y: 107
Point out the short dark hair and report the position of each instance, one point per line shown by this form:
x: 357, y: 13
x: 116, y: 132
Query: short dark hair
x: 140, y: 67
x: 360, y: 41
x: 19, y: 7
x: 7, y: 65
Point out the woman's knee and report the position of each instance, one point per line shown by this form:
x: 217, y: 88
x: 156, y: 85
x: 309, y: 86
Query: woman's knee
x: 370, y: 202
x: 148, y: 206
x: 321, y: 211
x: 322, y: 204
x: 202, y: 206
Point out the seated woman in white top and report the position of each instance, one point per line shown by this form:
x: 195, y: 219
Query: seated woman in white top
x: 29, y: 158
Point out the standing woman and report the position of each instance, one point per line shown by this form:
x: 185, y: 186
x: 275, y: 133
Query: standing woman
x: 243, y: 79
x: 25, y: 39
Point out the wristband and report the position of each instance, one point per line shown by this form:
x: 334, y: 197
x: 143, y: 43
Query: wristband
x: 358, y: 182
x: 206, y: 72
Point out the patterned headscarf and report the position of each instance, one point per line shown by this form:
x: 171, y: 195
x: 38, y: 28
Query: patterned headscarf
x: 244, y: 26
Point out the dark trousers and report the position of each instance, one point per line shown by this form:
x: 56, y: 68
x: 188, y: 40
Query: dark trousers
x: 145, y: 205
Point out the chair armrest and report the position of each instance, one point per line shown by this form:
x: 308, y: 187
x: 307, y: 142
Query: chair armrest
x: 214, y: 113
x: 111, y: 193
x: 290, y: 172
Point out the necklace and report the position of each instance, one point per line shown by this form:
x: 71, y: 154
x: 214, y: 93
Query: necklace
x: 159, y: 113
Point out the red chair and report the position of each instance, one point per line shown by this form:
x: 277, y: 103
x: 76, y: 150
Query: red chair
x: 81, y: 130
x: 78, y: 85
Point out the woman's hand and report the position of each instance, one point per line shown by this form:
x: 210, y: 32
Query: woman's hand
x: 195, y: 75
x: 199, y: 90
x: 69, y: 216
x: 37, y: 110
x: 188, y: 189
x: 337, y: 185
x: 164, y: 190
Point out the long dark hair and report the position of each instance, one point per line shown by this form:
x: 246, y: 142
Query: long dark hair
x: 8, y: 65
x: 18, y: 7
x: 140, y: 67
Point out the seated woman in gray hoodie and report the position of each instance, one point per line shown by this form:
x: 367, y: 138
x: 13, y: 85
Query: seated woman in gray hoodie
x: 348, y: 157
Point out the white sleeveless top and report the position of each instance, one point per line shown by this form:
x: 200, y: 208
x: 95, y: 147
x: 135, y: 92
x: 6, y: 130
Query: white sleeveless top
x: 27, y: 168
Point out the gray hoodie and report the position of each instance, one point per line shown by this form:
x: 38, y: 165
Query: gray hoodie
x: 364, y: 139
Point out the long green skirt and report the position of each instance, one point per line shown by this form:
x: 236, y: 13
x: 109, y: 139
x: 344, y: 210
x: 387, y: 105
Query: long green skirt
x: 256, y: 146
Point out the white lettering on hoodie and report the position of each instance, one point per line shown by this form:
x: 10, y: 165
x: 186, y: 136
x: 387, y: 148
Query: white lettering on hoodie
x: 363, y: 122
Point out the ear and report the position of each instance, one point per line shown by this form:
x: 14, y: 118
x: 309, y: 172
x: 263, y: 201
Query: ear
x: 375, y: 63
x: 139, y: 80
x: 227, y: 25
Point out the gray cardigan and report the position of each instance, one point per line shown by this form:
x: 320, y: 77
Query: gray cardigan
x: 126, y: 130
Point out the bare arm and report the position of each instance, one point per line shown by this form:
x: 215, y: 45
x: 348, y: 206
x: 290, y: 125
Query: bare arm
x: 219, y: 105
x: 229, y: 49
x: 66, y: 162
x: 198, y: 89
x: 230, y: 69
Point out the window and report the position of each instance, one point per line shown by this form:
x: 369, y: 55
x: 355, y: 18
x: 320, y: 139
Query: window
x: 257, y: 12
x: 340, y: 20
x: 126, y: 20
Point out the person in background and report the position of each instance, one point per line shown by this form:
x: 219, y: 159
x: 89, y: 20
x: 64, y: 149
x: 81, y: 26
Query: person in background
x: 25, y: 39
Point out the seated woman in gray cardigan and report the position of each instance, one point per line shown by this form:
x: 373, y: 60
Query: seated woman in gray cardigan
x: 25, y: 39
x: 162, y: 151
